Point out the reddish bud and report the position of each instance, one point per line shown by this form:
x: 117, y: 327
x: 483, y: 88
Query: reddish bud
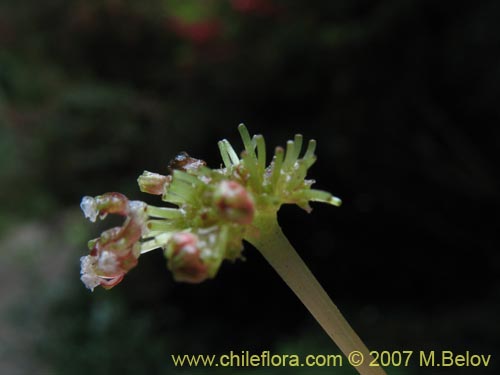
x: 184, y: 258
x: 153, y: 183
x: 234, y: 203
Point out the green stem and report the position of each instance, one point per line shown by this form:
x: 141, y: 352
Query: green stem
x: 278, y: 251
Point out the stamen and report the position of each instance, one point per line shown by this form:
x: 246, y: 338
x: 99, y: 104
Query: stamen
x: 161, y: 225
x: 321, y: 196
x: 290, y: 152
x: 261, y: 152
x: 277, y: 164
x: 164, y: 212
x: 232, y: 154
x: 297, y: 146
x: 309, y: 158
x: 247, y: 142
x: 224, y: 154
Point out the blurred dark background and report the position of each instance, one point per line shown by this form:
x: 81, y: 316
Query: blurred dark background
x: 402, y: 96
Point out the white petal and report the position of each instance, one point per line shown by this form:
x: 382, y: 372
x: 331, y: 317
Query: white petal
x: 89, y: 277
x: 89, y: 208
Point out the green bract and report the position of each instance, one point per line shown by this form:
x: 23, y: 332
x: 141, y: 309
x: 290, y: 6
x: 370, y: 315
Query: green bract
x: 208, y: 214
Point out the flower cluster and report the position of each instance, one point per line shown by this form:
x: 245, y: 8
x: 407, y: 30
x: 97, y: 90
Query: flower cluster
x: 117, y: 250
x: 209, y: 212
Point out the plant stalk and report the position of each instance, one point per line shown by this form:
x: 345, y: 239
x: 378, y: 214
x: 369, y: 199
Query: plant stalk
x: 278, y: 251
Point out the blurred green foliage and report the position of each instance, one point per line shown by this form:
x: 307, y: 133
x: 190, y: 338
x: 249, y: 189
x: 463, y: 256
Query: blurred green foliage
x: 402, y: 96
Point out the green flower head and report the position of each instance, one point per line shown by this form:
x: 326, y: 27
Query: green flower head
x: 208, y: 212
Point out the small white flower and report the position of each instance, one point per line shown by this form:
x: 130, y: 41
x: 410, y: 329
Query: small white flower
x: 89, y: 277
x: 89, y: 208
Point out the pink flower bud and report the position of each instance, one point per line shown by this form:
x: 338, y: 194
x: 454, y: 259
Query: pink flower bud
x: 153, y: 183
x: 234, y: 203
x: 184, y: 258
